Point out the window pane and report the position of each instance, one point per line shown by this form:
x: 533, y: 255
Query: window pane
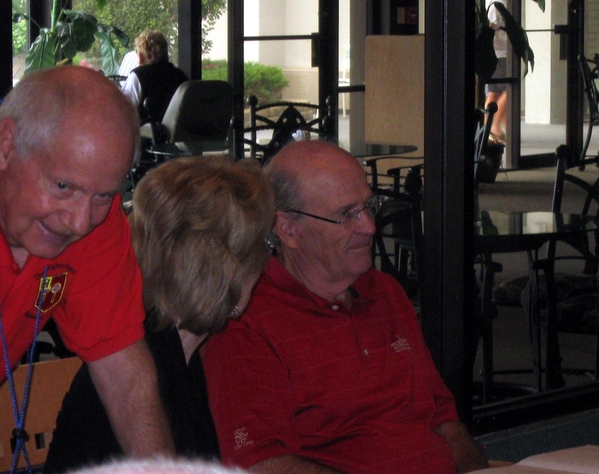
x: 19, y: 41
x: 132, y: 17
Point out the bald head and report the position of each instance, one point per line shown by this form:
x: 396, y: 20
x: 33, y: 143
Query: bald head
x: 158, y: 466
x: 42, y: 101
x: 303, y: 164
x: 310, y: 157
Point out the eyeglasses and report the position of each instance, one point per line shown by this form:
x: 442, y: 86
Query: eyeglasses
x: 372, y: 206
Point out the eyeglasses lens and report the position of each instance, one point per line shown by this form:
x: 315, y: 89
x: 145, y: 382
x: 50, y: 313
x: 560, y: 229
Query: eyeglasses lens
x: 372, y: 206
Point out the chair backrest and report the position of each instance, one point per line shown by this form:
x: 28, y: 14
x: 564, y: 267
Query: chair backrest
x: 49, y: 383
x: 283, y: 122
x: 585, y: 197
x: 117, y: 79
x: 200, y: 111
x: 565, y: 162
x: 589, y: 69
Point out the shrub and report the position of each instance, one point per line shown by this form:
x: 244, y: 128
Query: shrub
x: 265, y: 82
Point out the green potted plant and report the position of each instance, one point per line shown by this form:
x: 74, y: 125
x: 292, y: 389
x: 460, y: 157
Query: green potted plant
x: 485, y: 57
x: 72, y: 32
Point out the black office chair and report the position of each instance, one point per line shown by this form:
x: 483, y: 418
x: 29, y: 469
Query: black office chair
x: 199, y: 119
x: 283, y: 122
x: 589, y: 69
x: 199, y: 113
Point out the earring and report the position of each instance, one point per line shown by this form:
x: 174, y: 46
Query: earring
x: 235, y: 314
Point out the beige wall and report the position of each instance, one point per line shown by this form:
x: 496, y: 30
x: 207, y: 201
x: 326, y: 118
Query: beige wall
x: 303, y: 84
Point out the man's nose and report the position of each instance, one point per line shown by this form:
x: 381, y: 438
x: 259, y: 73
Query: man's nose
x: 78, y: 217
x: 366, y: 223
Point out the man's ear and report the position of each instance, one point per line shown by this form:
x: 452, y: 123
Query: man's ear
x: 7, y: 136
x: 284, y: 226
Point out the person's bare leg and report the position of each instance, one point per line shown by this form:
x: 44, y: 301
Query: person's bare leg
x: 500, y: 119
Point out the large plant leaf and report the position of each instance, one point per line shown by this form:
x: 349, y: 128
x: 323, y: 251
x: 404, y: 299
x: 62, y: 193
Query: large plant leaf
x: 67, y: 39
x: 110, y: 64
x: 541, y: 4
x: 517, y: 36
x: 42, y: 53
x: 485, y: 60
x: 84, y: 26
x: 119, y: 34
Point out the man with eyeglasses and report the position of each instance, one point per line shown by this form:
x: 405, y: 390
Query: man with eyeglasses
x: 327, y: 371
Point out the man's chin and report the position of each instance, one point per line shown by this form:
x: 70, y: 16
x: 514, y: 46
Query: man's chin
x: 48, y: 252
x: 362, y: 265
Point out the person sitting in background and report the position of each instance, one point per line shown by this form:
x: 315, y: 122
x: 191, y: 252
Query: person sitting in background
x: 328, y: 370
x: 199, y: 229
x: 130, y: 61
x: 155, y: 78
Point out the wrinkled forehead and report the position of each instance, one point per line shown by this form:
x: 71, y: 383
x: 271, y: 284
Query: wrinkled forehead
x: 341, y: 178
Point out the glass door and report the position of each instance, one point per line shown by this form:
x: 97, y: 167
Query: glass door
x: 279, y: 51
x: 543, y: 94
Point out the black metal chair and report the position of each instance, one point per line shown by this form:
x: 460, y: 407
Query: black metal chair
x: 572, y: 299
x: 283, y: 122
x: 589, y: 69
x: 568, y: 290
x: 117, y: 79
x: 399, y: 223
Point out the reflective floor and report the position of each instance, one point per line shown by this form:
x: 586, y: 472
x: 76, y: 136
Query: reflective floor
x: 531, y: 190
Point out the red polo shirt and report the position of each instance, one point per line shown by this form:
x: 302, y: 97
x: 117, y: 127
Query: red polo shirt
x: 93, y: 292
x: 355, y: 389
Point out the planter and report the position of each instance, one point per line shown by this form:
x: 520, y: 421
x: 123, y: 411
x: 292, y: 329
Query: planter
x: 490, y: 162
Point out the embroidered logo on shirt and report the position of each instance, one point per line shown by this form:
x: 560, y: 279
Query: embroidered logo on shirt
x: 400, y: 344
x: 52, y: 290
x: 241, y: 438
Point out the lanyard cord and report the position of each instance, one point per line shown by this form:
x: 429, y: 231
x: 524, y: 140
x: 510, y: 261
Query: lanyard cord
x: 19, y: 432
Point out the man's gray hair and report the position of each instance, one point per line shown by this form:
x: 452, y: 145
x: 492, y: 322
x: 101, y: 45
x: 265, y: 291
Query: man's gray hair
x: 287, y: 188
x: 36, y: 120
x: 38, y: 105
